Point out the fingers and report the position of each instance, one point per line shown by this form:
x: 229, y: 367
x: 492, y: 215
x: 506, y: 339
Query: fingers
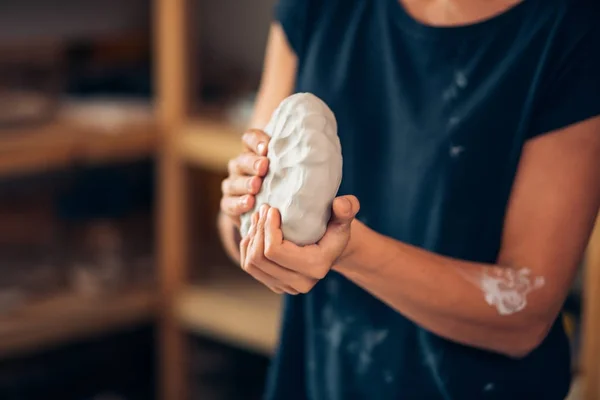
x: 257, y: 274
x: 256, y: 141
x: 248, y: 163
x: 234, y: 206
x: 240, y: 185
x: 254, y: 261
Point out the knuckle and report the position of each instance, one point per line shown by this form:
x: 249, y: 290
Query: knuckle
x: 248, y: 267
x: 254, y: 257
x: 276, y: 290
x: 291, y: 290
x: 305, y: 286
x: 232, y: 166
x: 319, y: 271
x: 270, y: 251
x: 225, y: 184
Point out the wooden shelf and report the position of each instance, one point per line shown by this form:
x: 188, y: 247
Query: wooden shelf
x: 63, y: 142
x: 233, y: 308
x: 66, y: 317
x: 209, y: 142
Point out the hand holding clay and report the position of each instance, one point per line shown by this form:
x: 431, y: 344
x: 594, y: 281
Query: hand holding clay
x: 246, y: 173
x: 305, y: 168
x: 285, y: 267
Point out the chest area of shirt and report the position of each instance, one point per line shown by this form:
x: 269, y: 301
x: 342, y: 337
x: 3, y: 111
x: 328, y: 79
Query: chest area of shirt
x: 410, y: 92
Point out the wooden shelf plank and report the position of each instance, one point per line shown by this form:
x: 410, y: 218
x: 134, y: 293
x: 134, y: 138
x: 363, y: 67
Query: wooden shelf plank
x: 66, y: 317
x: 209, y: 143
x: 63, y: 142
x: 234, y: 309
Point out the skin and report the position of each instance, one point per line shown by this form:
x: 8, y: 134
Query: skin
x: 551, y: 212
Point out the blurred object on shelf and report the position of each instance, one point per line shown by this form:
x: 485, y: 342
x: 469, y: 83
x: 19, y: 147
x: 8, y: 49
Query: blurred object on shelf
x: 31, y: 80
x: 29, y: 252
x: 240, y: 111
x: 110, y: 115
x: 98, y: 266
x: 11, y: 298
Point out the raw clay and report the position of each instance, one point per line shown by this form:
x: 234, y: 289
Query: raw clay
x: 305, y: 168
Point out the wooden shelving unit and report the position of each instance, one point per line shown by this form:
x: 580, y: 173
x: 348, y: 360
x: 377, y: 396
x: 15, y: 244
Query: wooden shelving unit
x: 62, y: 143
x: 209, y: 143
x: 66, y: 317
x: 72, y: 137
x: 234, y: 309
x: 231, y: 307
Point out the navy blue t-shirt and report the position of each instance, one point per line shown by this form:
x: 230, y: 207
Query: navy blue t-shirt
x: 432, y: 121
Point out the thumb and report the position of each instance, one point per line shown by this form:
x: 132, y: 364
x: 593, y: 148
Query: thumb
x: 343, y: 210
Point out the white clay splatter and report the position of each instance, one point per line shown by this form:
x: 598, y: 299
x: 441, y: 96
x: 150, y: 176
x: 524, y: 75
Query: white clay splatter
x: 335, y: 328
x: 460, y: 79
x: 507, y: 288
x: 368, y: 341
x: 431, y: 360
x: 456, y: 151
x: 453, y: 121
x: 450, y: 93
x: 388, y: 377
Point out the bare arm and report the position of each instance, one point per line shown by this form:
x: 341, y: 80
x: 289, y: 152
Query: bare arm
x: 277, y: 82
x: 551, y: 213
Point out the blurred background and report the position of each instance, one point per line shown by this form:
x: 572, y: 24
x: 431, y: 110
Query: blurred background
x: 117, y: 118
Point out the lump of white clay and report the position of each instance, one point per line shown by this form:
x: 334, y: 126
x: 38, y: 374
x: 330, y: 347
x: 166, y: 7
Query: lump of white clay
x: 305, y: 168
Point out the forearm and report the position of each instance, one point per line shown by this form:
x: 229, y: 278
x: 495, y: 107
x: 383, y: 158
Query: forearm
x: 442, y: 294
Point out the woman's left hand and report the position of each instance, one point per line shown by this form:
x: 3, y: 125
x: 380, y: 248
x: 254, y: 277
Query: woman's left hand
x: 285, y: 267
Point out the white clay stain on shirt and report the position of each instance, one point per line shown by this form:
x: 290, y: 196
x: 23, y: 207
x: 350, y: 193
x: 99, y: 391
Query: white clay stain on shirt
x: 431, y: 361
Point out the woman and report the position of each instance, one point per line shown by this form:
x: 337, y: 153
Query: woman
x: 471, y: 138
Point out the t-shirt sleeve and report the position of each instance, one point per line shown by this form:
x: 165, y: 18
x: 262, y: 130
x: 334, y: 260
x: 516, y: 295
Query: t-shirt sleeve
x: 293, y: 16
x: 571, y: 93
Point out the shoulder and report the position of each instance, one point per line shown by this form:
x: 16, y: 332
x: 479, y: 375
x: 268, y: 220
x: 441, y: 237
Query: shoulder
x: 575, y: 20
x: 300, y: 18
x: 570, y: 84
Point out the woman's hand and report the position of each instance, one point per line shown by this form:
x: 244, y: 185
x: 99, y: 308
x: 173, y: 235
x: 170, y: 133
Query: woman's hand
x: 285, y: 267
x: 246, y: 173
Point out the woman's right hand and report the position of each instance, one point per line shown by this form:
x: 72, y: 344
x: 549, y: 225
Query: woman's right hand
x: 246, y: 173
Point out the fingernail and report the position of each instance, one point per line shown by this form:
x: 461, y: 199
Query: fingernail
x: 249, y: 184
x: 245, y: 200
x: 263, y: 209
x: 261, y: 147
x: 257, y: 164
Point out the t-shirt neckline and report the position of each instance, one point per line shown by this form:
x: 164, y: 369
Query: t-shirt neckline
x: 409, y: 23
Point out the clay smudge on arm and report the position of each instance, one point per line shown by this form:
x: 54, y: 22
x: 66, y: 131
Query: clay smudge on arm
x: 506, y: 288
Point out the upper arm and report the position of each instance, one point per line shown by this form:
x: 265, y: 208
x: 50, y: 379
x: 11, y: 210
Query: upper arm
x: 278, y: 76
x: 552, y: 209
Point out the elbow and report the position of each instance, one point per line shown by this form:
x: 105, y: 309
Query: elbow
x: 526, y: 341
